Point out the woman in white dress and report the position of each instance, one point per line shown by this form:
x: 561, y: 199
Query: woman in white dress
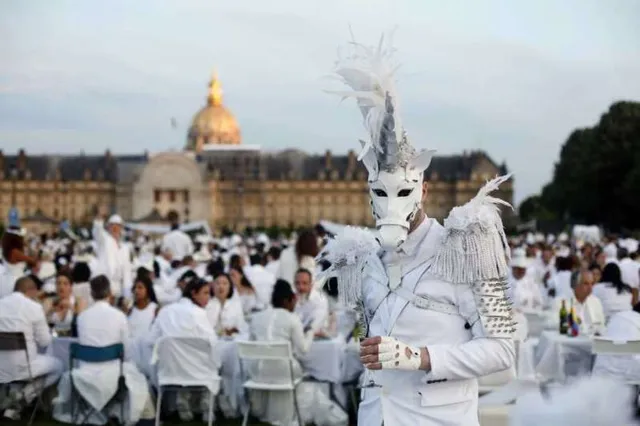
x: 15, y: 260
x: 281, y: 324
x: 145, y: 307
x: 614, y: 295
x: 224, y: 310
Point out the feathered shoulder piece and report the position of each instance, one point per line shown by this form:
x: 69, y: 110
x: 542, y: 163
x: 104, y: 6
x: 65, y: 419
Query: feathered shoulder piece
x: 348, y: 253
x: 475, y: 247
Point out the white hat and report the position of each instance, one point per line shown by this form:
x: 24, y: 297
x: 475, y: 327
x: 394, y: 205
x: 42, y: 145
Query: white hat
x: 519, y: 261
x: 115, y: 219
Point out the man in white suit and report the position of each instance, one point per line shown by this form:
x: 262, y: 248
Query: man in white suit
x: 432, y: 298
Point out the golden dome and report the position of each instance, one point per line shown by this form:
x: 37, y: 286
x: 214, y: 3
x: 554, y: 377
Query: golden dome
x: 213, y: 124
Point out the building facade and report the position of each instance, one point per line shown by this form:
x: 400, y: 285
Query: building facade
x: 220, y: 180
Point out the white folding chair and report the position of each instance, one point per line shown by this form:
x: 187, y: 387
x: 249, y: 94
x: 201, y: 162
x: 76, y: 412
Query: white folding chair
x: 274, y: 373
x: 187, y: 362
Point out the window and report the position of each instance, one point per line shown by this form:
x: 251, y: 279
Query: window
x: 186, y: 195
x: 156, y: 196
x: 172, y: 196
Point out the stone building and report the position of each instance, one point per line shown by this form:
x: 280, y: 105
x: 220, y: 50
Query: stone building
x: 221, y: 180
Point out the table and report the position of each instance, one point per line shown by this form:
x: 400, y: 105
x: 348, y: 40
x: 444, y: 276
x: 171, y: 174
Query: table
x: 559, y: 357
x: 59, y: 348
x: 331, y: 361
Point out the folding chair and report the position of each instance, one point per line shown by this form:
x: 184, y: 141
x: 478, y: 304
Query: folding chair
x: 15, y: 341
x: 186, y: 362
x: 93, y: 354
x: 279, y: 357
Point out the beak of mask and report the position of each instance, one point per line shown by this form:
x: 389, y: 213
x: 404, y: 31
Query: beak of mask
x: 391, y: 237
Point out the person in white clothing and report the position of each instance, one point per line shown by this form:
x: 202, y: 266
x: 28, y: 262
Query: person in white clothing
x: 587, y: 306
x: 185, y: 318
x: 99, y: 326
x: 301, y: 255
x: 21, y: 313
x: 630, y: 270
x: 114, y: 257
x: 311, y: 305
x: 224, y: 310
x: 280, y: 324
x: 62, y: 310
x: 145, y: 307
x: 273, y: 260
x: 560, y: 283
x: 15, y: 260
x: 432, y: 299
x: 261, y: 278
x: 525, y: 292
x: 176, y: 241
x: 614, y: 295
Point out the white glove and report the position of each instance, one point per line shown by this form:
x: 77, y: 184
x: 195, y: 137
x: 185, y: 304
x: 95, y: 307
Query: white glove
x: 395, y: 355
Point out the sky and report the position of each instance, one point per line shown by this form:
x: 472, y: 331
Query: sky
x: 510, y: 78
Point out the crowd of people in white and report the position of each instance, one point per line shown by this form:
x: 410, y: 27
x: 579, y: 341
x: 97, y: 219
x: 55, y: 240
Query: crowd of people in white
x: 595, y: 277
x: 137, y: 291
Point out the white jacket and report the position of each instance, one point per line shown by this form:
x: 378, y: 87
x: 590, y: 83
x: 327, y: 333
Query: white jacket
x: 459, y: 349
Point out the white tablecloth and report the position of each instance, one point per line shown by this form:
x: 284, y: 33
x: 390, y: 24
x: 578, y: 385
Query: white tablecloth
x: 327, y: 360
x: 59, y: 348
x: 559, y: 357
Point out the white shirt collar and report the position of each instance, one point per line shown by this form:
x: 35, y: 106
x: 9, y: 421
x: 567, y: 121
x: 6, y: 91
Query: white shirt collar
x: 410, y: 246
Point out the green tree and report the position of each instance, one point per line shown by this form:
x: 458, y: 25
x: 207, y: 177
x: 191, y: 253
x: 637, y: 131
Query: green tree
x: 597, y: 177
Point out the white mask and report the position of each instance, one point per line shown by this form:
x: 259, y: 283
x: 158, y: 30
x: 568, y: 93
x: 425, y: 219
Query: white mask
x: 395, y: 168
x: 396, y: 197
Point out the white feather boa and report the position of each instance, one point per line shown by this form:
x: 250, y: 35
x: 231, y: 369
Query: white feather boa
x: 348, y: 253
x: 475, y: 247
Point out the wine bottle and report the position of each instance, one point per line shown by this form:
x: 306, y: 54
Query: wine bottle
x: 564, y: 318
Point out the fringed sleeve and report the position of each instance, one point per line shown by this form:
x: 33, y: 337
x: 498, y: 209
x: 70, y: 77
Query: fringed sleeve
x: 475, y: 253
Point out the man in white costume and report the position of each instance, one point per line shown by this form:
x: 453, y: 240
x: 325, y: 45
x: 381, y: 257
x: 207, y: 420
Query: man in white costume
x: 432, y: 299
x: 113, y: 254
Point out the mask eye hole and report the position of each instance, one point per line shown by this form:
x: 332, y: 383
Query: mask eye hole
x: 379, y: 192
x: 405, y: 192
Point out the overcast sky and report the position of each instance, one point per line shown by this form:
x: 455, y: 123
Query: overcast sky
x: 511, y: 78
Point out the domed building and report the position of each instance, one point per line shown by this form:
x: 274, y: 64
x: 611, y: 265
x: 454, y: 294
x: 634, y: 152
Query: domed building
x: 220, y: 180
x: 213, y: 124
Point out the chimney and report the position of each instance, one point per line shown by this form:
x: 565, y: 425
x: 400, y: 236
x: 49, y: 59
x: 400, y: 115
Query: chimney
x: 351, y: 161
x: 327, y: 160
x: 22, y: 160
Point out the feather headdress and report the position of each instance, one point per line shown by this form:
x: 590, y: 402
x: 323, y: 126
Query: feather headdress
x: 370, y: 73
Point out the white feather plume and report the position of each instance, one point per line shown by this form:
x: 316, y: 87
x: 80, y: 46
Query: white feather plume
x: 591, y: 401
x: 475, y: 245
x: 370, y: 73
x: 348, y: 253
